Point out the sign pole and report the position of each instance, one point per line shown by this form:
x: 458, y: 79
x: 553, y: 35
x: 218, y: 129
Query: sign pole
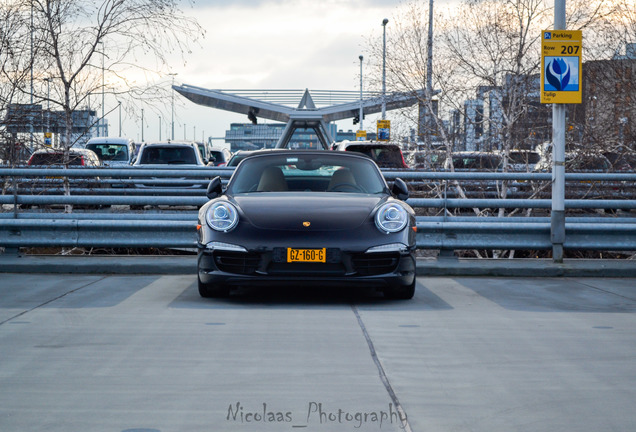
x: 557, y: 216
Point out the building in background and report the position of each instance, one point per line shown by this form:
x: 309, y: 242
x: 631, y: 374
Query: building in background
x: 248, y: 136
x: 30, y: 125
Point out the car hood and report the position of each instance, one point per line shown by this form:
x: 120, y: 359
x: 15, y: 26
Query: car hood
x: 323, y: 211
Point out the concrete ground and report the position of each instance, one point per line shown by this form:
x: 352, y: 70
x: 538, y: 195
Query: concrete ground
x: 143, y: 352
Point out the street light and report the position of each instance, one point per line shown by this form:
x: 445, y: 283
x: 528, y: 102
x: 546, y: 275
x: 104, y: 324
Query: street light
x: 102, y: 120
x: 48, y: 103
x: 172, y: 88
x: 361, y: 111
x: 159, y: 128
x: 384, y: 23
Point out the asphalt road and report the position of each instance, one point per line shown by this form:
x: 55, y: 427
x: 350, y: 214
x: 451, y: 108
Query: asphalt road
x: 144, y: 353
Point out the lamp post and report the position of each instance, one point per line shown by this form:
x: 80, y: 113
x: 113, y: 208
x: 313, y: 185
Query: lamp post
x: 142, y: 125
x: 102, y: 120
x: 119, y: 105
x: 159, y: 128
x: 48, y: 103
x: 361, y: 110
x: 385, y: 21
x: 172, y: 88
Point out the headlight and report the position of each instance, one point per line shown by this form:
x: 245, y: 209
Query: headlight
x: 391, y: 218
x: 222, y: 216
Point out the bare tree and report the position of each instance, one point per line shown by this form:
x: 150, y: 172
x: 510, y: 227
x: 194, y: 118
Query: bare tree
x: 80, y: 37
x: 605, y: 120
x: 76, y: 42
x: 15, y: 66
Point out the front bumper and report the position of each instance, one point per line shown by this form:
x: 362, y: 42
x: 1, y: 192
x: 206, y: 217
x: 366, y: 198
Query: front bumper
x: 269, y: 266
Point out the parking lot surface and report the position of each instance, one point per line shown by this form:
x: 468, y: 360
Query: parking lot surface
x: 144, y: 353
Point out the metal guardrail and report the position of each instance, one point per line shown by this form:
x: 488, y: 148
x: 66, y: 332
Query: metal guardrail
x: 177, y: 229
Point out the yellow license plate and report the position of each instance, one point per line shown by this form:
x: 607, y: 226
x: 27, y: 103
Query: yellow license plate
x: 306, y: 255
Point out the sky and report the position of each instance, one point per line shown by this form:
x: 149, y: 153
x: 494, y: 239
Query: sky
x: 265, y: 44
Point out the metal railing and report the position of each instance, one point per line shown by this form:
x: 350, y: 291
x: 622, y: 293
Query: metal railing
x: 115, y: 197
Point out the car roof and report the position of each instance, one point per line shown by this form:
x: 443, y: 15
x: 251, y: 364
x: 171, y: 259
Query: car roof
x: 60, y: 150
x: 109, y: 140
x: 171, y: 143
x: 347, y: 143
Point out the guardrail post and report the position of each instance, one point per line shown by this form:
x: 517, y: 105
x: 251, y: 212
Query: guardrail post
x: 13, y: 251
x: 557, y: 235
x: 446, y: 254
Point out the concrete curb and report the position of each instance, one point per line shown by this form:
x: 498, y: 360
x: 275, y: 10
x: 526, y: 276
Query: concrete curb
x: 110, y: 264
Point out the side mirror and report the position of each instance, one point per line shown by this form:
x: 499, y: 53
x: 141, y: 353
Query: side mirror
x: 400, y: 190
x: 212, y: 160
x: 215, y: 188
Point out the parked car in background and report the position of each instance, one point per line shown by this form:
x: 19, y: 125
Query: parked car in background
x: 219, y: 156
x: 55, y: 157
x: 242, y: 154
x: 522, y: 160
x: 384, y: 154
x: 621, y: 161
x: 166, y: 155
x: 113, y: 152
x: 429, y: 160
x: 475, y: 161
x: 203, y: 151
x: 576, y: 162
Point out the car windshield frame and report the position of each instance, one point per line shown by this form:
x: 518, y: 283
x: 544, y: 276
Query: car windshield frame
x: 309, y: 172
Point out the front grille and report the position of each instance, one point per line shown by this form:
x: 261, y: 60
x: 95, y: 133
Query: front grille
x: 236, y: 262
x: 371, y: 264
x: 306, y: 269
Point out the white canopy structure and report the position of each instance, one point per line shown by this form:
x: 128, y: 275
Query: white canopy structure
x: 300, y: 109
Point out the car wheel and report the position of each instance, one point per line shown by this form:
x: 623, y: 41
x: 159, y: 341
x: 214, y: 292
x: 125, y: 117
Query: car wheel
x: 213, y: 290
x: 400, y: 292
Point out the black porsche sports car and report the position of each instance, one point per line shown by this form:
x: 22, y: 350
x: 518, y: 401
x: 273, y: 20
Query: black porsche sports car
x: 307, y: 217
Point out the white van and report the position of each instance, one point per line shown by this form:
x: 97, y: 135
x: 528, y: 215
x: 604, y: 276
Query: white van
x: 113, y: 152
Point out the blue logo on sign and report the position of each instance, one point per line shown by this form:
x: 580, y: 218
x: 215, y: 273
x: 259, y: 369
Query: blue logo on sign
x: 561, y: 74
x: 547, y: 35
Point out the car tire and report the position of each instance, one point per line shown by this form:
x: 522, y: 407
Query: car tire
x: 400, y: 292
x: 212, y: 290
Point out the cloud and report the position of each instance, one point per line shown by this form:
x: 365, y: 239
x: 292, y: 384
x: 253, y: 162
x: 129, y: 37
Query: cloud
x: 274, y: 44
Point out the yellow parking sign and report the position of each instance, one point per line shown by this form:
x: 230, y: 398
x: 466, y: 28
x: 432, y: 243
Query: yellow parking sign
x: 561, y: 70
x: 384, y: 130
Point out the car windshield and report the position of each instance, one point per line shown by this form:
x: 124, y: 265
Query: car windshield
x: 476, y: 162
x: 524, y: 157
x: 386, y: 156
x: 308, y: 173
x: 589, y: 163
x: 55, y: 159
x: 110, y: 152
x: 217, y: 155
x: 168, y: 155
x: 237, y: 158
